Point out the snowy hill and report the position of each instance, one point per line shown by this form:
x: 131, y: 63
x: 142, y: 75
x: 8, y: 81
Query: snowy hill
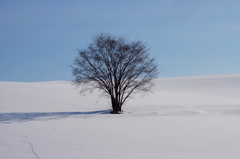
x: 189, y: 117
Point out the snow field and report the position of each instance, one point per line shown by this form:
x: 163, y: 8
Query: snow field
x: 192, y: 117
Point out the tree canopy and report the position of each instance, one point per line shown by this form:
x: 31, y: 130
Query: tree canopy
x: 116, y: 66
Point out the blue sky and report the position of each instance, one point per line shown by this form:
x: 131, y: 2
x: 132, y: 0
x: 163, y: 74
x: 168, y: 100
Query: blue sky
x: 39, y: 39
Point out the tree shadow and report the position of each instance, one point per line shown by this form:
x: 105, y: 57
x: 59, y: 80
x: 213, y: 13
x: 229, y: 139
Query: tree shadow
x: 38, y: 116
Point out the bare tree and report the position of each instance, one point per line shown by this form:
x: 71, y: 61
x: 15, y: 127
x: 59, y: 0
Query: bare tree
x: 116, y: 66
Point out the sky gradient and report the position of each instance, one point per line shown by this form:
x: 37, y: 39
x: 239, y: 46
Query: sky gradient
x: 39, y: 39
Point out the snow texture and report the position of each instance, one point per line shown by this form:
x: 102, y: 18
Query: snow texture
x: 184, y: 118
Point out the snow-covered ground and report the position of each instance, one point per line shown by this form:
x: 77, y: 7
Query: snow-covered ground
x: 184, y: 118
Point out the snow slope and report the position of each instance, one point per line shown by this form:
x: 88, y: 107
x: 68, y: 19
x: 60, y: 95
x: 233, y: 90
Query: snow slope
x: 184, y: 118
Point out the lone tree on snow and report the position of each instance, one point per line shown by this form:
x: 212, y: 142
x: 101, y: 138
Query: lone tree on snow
x: 116, y: 66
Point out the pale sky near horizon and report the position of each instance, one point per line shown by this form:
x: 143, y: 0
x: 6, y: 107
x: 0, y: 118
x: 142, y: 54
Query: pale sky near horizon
x: 39, y: 39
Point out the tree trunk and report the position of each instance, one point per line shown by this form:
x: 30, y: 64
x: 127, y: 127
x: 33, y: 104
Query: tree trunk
x: 116, y: 106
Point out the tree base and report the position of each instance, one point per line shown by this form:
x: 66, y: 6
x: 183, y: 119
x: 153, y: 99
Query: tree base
x: 115, y: 112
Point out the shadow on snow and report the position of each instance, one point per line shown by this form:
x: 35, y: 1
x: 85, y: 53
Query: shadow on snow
x: 36, y: 116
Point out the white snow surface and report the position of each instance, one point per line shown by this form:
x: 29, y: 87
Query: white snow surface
x: 184, y: 118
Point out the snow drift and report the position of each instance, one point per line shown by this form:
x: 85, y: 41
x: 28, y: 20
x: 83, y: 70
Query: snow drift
x: 189, y: 117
